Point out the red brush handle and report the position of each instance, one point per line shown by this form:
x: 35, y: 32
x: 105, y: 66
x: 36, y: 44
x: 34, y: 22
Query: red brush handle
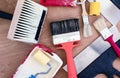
x: 115, y: 47
x: 70, y: 62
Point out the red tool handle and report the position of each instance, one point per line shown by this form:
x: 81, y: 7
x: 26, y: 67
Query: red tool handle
x: 70, y: 62
x: 115, y: 47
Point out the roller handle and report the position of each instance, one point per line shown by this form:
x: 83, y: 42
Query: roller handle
x: 70, y: 62
x: 114, y: 45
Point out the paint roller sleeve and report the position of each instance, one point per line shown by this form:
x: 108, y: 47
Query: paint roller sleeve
x: 41, y: 57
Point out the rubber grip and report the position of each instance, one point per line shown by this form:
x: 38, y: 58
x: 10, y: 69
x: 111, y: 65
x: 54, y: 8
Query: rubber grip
x: 115, y: 47
x: 70, y: 62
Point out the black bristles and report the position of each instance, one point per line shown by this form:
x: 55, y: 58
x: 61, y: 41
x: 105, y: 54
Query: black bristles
x: 24, y: 23
x: 27, y: 12
x: 21, y: 33
x: 18, y: 30
x: 24, y: 20
x: 65, y: 26
x: 28, y: 2
x: 27, y: 21
x: 26, y: 5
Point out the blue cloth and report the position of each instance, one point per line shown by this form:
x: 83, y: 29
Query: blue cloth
x: 102, y: 65
x: 116, y: 2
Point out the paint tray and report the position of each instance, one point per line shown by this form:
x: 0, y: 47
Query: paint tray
x: 31, y: 68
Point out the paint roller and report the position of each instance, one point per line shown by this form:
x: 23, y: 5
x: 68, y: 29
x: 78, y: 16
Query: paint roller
x: 41, y: 57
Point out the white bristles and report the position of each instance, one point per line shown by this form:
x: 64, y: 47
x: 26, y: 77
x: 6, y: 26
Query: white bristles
x: 87, y: 31
x: 101, y: 26
x: 27, y: 21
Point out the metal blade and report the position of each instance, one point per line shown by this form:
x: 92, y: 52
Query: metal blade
x: 93, y: 51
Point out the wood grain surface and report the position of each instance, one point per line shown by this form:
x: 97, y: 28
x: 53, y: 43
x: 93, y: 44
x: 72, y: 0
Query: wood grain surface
x: 12, y: 53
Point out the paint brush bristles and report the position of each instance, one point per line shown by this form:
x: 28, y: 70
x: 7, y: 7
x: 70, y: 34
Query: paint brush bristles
x: 101, y: 26
x: 64, y: 31
x: 27, y: 21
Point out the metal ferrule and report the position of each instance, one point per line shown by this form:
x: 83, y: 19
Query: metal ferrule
x: 67, y: 37
x: 105, y: 33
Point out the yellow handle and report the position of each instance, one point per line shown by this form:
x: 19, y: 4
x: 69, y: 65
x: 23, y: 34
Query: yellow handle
x: 94, y: 8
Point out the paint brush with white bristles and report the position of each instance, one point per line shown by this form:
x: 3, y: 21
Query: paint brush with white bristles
x: 27, y: 21
x: 87, y: 30
x: 66, y: 36
x: 101, y: 26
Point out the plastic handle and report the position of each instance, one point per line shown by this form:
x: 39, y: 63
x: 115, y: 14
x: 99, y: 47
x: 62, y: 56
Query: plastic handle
x: 115, y: 47
x: 70, y: 62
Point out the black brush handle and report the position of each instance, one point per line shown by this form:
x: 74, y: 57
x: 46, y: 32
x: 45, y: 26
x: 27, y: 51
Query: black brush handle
x: 5, y: 15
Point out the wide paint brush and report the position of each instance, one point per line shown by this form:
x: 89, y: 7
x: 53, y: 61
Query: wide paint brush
x: 66, y: 35
x: 27, y: 22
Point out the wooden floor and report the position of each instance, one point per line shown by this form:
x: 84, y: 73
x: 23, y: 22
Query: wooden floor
x: 12, y: 53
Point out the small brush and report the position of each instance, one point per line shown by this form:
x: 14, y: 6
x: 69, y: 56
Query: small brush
x: 101, y: 26
x: 6, y: 15
x: 66, y: 35
x: 27, y: 21
x: 87, y: 31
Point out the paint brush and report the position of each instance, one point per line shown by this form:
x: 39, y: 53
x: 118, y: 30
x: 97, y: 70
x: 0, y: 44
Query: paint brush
x: 87, y: 31
x: 27, y: 21
x: 66, y: 35
x: 101, y: 26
